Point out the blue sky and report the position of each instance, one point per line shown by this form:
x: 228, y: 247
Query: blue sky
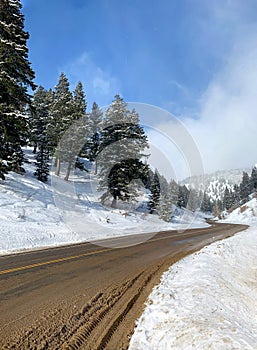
x: 160, y: 52
x: 181, y: 55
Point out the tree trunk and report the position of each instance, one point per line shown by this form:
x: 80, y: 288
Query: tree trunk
x: 96, y: 165
x: 35, y: 148
x: 114, y: 203
x: 68, y: 172
x: 58, y: 167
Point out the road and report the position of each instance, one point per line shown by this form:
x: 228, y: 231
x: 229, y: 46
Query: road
x: 87, y: 296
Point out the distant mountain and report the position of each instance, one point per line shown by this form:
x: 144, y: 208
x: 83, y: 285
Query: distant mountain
x: 214, y: 184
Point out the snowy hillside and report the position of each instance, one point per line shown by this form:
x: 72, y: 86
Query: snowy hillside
x: 247, y: 213
x: 215, y: 183
x: 207, y: 300
x: 31, y: 216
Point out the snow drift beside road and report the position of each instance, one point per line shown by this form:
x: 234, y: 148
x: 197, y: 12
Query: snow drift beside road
x: 246, y: 214
x: 207, y: 300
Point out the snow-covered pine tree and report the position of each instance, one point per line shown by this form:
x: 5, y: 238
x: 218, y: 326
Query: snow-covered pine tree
x: 72, y: 143
x: 245, y: 187
x: 173, y: 191
x: 154, y: 196
x: 38, y: 120
x: 193, y: 202
x: 216, y: 209
x: 183, y: 194
x: 206, y: 205
x: 164, y: 185
x: 165, y: 207
x: 42, y: 162
x: 16, y: 76
x: 235, y: 195
x: 95, y: 121
x: 60, y: 117
x: 227, y: 199
x: 122, y: 139
x: 253, y: 180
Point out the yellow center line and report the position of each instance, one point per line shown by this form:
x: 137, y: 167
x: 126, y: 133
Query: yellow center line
x: 51, y: 262
x: 22, y: 268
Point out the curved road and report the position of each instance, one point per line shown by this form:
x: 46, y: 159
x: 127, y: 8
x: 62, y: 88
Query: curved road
x: 87, y: 296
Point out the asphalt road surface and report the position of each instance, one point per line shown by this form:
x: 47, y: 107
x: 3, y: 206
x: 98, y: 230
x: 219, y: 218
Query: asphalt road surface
x: 87, y: 296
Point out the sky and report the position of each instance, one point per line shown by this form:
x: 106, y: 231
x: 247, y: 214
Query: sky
x: 195, y: 59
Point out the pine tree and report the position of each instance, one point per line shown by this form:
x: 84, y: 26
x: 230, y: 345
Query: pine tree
x: 235, y: 196
x: 193, y: 200
x: 39, y: 116
x: 154, y: 197
x: 183, y: 195
x: 122, y: 139
x: 94, y: 123
x: 122, y: 178
x: 165, y: 207
x: 60, y: 117
x: 163, y: 183
x: 42, y: 162
x: 227, y: 199
x: 16, y: 76
x: 206, y: 203
x: 216, y: 209
x: 253, y: 180
x: 74, y: 140
x: 245, y: 187
x: 173, y: 191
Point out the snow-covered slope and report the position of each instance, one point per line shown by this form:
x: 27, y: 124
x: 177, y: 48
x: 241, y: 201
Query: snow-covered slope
x: 247, y: 213
x: 208, y: 299
x: 215, y: 183
x: 32, y: 215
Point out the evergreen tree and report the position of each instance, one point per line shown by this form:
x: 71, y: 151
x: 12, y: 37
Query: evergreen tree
x: 60, y: 117
x: 122, y: 178
x: 42, y: 162
x: 73, y: 142
x: 165, y: 207
x: 173, y: 191
x: 245, y: 187
x: 206, y: 203
x: 183, y: 194
x: 235, y: 196
x: 253, y: 180
x: 38, y: 121
x: 227, y: 199
x: 16, y: 76
x: 216, y: 209
x: 94, y: 123
x: 193, y: 202
x: 154, y: 197
x: 164, y: 185
x: 122, y: 139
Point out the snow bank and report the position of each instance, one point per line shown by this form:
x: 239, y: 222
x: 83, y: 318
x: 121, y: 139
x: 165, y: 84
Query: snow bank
x: 247, y: 214
x: 207, y: 300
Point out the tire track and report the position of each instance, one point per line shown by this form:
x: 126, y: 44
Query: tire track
x: 90, y: 303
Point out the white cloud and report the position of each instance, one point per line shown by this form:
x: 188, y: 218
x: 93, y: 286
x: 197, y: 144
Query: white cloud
x: 226, y: 129
x: 100, y: 85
